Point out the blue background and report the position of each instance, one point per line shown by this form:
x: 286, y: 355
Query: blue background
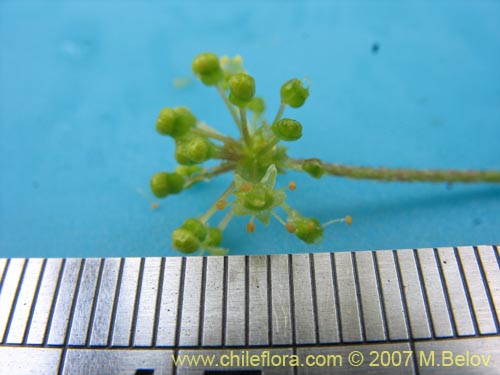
x: 82, y: 84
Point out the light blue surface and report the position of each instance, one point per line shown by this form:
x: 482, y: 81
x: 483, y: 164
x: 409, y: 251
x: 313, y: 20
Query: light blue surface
x: 82, y: 83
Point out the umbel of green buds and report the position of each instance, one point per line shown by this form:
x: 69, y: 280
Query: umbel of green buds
x: 241, y: 89
x: 287, y: 129
x: 294, y: 93
x: 255, y: 158
x: 163, y: 184
x: 175, y: 122
x: 206, y: 67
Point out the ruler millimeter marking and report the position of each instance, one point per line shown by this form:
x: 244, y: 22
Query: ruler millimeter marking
x: 256, y: 301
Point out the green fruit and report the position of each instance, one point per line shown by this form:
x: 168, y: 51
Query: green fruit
x: 163, y: 184
x: 182, y: 153
x: 176, y: 182
x: 257, y: 105
x: 185, y: 241
x: 205, y: 63
x: 166, y: 121
x: 214, y: 236
x: 196, y: 227
x: 293, y: 93
x: 287, y: 129
x: 185, y: 117
x: 241, y: 89
x: 199, y: 150
x: 309, y: 230
x: 206, y: 67
x: 175, y: 122
x: 187, y: 170
x: 193, y: 150
x: 313, y: 167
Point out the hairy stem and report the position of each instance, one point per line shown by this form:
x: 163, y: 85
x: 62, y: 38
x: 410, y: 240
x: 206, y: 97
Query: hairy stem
x: 402, y: 174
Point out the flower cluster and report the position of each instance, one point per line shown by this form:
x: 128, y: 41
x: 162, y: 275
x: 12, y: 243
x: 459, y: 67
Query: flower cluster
x: 255, y: 159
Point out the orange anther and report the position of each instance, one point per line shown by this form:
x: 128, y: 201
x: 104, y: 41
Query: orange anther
x: 292, y: 185
x: 246, y: 187
x: 221, y: 204
x: 250, y: 227
x: 155, y: 205
x: 290, y: 228
x: 348, y: 220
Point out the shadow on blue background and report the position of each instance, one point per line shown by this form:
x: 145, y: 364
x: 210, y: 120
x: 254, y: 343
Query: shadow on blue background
x: 82, y: 84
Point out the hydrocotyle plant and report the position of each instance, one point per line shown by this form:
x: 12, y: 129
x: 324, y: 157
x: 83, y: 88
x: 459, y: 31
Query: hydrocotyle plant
x: 256, y: 159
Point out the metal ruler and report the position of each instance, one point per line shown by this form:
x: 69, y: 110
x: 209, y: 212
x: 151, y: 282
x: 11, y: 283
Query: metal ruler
x: 135, y: 316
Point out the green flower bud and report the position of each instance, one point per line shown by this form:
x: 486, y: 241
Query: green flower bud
x: 207, y: 68
x: 182, y: 153
x: 259, y: 198
x: 187, y: 170
x: 309, y: 230
x: 287, y: 129
x: 166, y: 121
x: 185, y: 241
x: 185, y: 117
x: 313, y: 167
x: 163, y: 184
x: 175, y: 122
x: 294, y: 93
x: 214, y: 237
x: 241, y: 89
x: 196, y: 227
x: 176, y: 182
x: 205, y: 63
x: 193, y: 150
x: 257, y: 105
x: 199, y: 150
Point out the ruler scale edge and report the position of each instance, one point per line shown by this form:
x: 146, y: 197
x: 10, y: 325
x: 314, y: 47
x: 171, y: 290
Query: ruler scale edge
x: 52, y: 306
